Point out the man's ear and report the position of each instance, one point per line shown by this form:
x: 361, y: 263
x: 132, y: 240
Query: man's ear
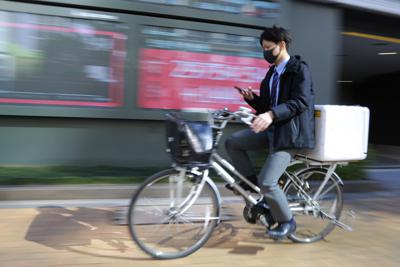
x: 283, y: 45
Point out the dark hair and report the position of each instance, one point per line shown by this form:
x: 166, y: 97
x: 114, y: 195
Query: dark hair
x: 276, y: 35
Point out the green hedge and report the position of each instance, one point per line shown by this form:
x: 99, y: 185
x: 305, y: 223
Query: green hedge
x: 21, y: 175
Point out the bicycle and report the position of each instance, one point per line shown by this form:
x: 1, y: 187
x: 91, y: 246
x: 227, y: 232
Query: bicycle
x: 174, y: 212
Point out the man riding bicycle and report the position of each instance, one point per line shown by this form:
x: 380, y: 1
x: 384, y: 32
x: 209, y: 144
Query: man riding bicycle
x: 284, y: 124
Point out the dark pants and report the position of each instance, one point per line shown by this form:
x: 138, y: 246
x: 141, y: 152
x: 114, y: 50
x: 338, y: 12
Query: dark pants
x: 275, y: 165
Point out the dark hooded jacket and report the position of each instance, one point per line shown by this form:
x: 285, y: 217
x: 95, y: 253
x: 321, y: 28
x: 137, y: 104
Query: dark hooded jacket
x: 294, y: 113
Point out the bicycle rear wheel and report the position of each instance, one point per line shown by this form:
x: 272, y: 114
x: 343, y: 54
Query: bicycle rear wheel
x: 172, y: 215
x: 312, y: 224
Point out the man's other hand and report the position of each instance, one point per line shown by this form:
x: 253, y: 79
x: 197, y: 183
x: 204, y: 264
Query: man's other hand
x: 262, y: 122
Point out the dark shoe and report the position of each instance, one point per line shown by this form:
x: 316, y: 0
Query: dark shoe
x: 261, y: 212
x: 283, y: 230
x: 245, y: 186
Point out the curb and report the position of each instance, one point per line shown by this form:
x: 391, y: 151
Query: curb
x: 125, y: 191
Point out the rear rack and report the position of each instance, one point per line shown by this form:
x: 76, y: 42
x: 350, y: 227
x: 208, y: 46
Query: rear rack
x: 301, y: 158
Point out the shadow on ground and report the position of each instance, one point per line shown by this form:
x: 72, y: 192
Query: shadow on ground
x: 91, y: 231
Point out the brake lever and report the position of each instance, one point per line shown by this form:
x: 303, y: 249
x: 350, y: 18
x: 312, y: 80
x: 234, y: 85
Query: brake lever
x: 248, y: 119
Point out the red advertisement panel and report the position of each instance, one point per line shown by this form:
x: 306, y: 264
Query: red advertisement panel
x: 170, y: 79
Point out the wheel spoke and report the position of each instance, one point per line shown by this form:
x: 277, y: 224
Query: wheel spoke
x: 173, y: 217
x: 326, y: 191
x: 310, y: 225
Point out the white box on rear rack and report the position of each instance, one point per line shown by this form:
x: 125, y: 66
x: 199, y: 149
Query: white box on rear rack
x: 341, y: 133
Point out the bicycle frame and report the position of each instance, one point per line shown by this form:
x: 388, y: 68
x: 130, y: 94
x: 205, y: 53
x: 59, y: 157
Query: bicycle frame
x: 218, y: 163
x: 224, y: 168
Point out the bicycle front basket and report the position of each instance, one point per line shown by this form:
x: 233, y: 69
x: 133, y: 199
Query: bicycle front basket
x: 188, y: 142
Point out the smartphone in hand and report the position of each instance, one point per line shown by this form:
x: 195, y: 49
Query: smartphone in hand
x: 241, y: 90
x: 246, y: 93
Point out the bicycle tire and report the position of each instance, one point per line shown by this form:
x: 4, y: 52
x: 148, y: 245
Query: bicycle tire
x: 173, y: 244
x: 299, y: 236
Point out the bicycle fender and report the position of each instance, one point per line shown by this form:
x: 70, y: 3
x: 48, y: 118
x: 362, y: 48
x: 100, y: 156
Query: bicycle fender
x: 219, y: 199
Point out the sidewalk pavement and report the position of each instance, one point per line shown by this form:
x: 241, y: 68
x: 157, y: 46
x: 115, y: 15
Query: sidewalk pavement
x: 87, y: 236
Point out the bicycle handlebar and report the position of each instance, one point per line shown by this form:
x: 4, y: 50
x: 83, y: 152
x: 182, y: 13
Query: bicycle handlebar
x: 244, y: 114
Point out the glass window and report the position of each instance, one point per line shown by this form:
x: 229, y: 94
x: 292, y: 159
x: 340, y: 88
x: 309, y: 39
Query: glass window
x: 253, y: 8
x: 49, y: 60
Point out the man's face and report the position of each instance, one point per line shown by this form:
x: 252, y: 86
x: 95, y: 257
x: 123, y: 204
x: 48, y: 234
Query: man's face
x: 268, y: 45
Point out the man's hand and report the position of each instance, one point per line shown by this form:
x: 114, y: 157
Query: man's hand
x: 262, y: 122
x: 248, y: 94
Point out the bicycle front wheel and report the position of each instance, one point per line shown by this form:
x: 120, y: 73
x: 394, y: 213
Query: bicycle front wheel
x: 173, y: 214
x: 312, y: 224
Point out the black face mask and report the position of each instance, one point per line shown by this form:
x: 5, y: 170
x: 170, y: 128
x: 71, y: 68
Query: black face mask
x: 269, y: 57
